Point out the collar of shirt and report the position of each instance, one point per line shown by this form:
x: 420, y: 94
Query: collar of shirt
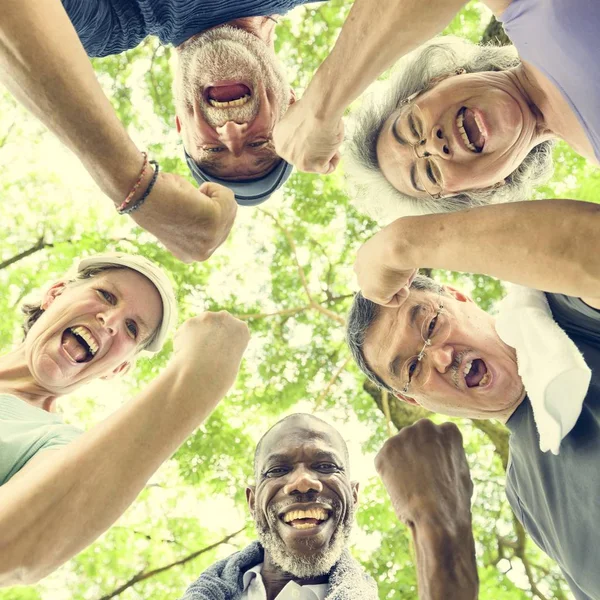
x: 254, y: 588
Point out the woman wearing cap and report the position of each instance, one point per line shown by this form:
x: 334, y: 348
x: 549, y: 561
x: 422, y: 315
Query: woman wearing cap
x: 76, y: 484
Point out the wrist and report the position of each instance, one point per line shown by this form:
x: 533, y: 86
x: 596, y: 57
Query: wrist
x: 322, y: 101
x: 403, y: 246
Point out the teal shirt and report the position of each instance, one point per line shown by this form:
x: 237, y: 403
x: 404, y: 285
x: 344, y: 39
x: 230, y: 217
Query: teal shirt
x: 26, y: 431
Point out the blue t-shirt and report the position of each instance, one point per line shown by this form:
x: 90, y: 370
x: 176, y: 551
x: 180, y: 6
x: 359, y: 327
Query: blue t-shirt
x: 111, y: 26
x: 25, y: 431
x: 557, y: 498
x: 562, y: 39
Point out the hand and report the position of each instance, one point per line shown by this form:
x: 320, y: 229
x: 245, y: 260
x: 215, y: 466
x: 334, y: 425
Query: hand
x: 307, y: 142
x: 426, y: 474
x: 209, y: 348
x: 379, y: 277
x: 191, y: 222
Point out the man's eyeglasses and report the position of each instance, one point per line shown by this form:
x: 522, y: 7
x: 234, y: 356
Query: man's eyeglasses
x: 435, y: 329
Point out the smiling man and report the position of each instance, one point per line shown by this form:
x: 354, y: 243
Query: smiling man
x: 534, y: 367
x: 303, y: 505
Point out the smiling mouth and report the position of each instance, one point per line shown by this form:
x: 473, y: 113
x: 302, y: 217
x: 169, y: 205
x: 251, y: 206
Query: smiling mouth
x: 476, y: 373
x: 306, y: 519
x: 470, y: 129
x: 79, y: 344
x: 228, y: 96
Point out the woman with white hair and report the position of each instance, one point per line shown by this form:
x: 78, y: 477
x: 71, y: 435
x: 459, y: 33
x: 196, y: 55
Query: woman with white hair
x: 88, y: 326
x: 460, y: 125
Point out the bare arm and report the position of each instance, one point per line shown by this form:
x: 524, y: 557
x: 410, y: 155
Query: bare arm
x: 44, y: 65
x: 425, y: 472
x: 75, y: 493
x: 550, y: 245
x: 375, y: 35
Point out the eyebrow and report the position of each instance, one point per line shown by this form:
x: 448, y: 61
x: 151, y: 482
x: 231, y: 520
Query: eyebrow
x: 397, y: 362
x: 413, y: 166
x: 138, y: 318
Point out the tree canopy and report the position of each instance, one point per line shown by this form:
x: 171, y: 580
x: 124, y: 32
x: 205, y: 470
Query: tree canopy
x: 286, y: 270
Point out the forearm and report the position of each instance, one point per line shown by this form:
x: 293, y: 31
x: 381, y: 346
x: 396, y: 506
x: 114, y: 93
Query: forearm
x: 44, y: 65
x: 446, y: 566
x: 550, y: 245
x: 73, y: 498
x: 375, y: 35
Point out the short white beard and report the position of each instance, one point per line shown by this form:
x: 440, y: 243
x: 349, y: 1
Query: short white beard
x: 227, y: 53
x: 314, y: 564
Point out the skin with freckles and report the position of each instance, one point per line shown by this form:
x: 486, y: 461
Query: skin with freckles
x: 231, y: 142
x: 472, y: 335
x: 109, y: 306
x: 421, y: 151
x: 302, y: 463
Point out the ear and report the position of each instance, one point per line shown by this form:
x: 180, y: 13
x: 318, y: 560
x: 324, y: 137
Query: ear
x: 457, y: 294
x: 250, y: 498
x: 406, y: 399
x: 355, y: 485
x: 120, y: 370
x: 52, y: 294
x: 292, y: 96
x: 178, y: 124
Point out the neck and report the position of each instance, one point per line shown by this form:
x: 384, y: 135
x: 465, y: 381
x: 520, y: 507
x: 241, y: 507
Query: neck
x: 275, y: 579
x: 16, y: 379
x: 536, y: 99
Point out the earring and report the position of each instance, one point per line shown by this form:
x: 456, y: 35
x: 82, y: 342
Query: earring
x: 459, y: 71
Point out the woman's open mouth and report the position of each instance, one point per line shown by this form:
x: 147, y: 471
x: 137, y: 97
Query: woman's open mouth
x: 79, y: 344
x: 471, y: 129
x: 476, y: 373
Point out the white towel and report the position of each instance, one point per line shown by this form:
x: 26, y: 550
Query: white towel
x: 554, y: 372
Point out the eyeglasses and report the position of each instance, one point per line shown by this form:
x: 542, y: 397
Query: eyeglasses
x: 435, y: 329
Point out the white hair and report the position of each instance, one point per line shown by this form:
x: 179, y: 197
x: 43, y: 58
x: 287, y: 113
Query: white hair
x: 371, y: 192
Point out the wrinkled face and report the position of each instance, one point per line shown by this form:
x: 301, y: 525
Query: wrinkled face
x: 91, y: 329
x: 468, y: 132
x: 229, y: 93
x: 303, y: 503
x: 467, y: 371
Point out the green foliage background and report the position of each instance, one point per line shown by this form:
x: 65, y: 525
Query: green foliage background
x: 287, y: 269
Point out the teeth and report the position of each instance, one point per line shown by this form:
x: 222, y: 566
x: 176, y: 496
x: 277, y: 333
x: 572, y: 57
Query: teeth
x: 239, y: 102
x: 314, y: 513
x: 303, y: 525
x: 467, y: 367
x: 459, y: 123
x: 485, y: 379
x: 89, y: 340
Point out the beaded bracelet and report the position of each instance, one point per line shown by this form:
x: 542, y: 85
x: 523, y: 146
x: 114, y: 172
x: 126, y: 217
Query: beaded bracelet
x: 138, y: 203
x: 137, y: 184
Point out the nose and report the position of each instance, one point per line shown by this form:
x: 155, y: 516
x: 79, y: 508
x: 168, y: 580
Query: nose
x: 233, y: 135
x: 441, y: 357
x: 109, y: 321
x: 436, y: 144
x: 303, y: 481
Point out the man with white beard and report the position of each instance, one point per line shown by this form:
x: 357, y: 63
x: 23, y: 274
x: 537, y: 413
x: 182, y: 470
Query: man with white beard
x: 303, y: 505
x: 230, y: 91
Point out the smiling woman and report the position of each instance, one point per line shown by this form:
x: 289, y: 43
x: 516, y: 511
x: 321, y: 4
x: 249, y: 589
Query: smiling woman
x: 454, y: 128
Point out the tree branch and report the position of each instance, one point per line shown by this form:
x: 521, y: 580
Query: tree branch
x: 284, y: 312
x: 330, y: 383
x: 7, y: 135
x: 143, y: 574
x: 39, y: 245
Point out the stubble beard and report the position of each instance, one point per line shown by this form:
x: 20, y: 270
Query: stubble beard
x: 316, y: 561
x: 228, y: 53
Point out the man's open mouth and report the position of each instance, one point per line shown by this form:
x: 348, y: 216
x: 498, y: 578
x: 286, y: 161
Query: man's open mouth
x: 476, y: 373
x: 471, y: 129
x: 306, y: 519
x: 79, y: 344
x: 228, y: 96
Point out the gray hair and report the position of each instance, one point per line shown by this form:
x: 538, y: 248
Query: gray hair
x: 415, y: 73
x: 363, y: 315
x: 33, y: 311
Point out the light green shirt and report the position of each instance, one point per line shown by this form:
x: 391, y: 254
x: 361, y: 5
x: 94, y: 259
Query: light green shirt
x: 25, y: 431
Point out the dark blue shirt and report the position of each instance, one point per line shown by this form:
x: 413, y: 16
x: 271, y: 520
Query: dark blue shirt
x: 557, y: 498
x: 112, y: 26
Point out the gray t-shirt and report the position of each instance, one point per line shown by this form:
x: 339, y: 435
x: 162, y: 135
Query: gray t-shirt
x: 557, y: 498
x: 25, y: 431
